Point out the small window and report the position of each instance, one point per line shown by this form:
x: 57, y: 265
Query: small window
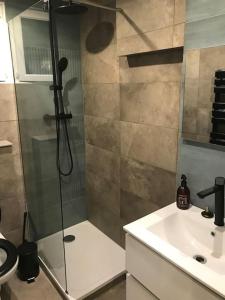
x: 31, y: 47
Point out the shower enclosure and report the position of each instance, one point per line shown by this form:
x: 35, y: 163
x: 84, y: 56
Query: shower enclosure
x: 51, y: 43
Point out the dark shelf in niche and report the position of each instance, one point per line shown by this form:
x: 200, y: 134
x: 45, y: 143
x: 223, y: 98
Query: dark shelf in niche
x: 159, y: 57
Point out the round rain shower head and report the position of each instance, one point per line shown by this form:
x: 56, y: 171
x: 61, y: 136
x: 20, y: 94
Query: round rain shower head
x: 71, y: 9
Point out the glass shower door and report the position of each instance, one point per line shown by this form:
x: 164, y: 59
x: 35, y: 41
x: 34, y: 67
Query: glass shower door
x: 29, y: 33
x: 67, y: 29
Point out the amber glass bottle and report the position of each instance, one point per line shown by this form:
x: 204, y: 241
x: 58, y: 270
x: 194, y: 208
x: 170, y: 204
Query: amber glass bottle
x: 183, y: 194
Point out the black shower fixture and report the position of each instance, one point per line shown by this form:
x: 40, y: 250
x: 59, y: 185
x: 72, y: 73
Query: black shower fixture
x: 71, y: 8
x: 62, y: 65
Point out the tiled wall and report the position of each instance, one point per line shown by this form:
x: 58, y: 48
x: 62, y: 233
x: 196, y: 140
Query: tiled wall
x: 12, y: 201
x: 148, y: 25
x: 102, y: 122
x: 132, y: 110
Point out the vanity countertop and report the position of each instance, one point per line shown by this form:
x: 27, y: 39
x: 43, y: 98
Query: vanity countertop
x: 180, y: 235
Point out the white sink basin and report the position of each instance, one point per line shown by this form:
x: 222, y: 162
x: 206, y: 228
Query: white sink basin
x: 180, y: 235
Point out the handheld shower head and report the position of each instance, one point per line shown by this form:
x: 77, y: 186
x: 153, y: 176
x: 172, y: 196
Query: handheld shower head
x: 62, y: 65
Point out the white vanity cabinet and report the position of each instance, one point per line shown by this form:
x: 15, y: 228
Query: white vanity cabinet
x: 152, y: 277
x: 135, y: 290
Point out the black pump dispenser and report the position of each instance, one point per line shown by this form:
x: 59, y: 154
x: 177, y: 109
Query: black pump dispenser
x: 183, y: 194
x: 183, y: 180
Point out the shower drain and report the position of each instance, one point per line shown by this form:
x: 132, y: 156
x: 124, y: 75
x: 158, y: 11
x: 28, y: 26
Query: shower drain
x: 201, y: 259
x: 69, y: 238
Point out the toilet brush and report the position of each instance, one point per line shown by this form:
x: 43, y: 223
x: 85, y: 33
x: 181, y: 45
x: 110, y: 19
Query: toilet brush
x: 28, y: 266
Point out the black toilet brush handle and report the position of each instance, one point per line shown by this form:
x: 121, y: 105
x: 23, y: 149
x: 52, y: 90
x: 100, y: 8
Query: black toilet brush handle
x: 24, y: 226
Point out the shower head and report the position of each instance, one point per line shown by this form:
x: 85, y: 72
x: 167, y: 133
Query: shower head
x: 62, y: 64
x: 71, y: 9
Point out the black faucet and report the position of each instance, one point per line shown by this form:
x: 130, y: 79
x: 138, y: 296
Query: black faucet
x: 218, y: 190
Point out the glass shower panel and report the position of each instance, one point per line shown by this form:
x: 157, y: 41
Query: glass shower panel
x: 73, y: 186
x: 32, y: 67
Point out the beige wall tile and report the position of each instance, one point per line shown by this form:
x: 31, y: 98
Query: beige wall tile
x: 204, y: 124
x: 143, y: 16
x: 206, y: 95
x: 104, y: 219
x: 180, y: 11
x: 99, y: 189
x: 191, y: 92
x: 189, y: 122
x: 134, y: 207
x: 192, y: 63
x: 148, y: 182
x: 12, y: 210
x: 102, y: 100
x: 155, y: 103
x: 15, y: 237
x: 211, y: 59
x: 11, y: 177
x: 149, y: 72
x: 8, y: 109
x: 178, y: 35
x: 97, y: 29
x: 153, y: 145
x: 100, y: 67
x: 103, y: 133
x: 103, y: 163
x: 150, y: 41
x: 9, y: 131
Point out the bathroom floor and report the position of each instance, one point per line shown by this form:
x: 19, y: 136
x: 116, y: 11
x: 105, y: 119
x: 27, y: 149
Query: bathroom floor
x: 41, y: 289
